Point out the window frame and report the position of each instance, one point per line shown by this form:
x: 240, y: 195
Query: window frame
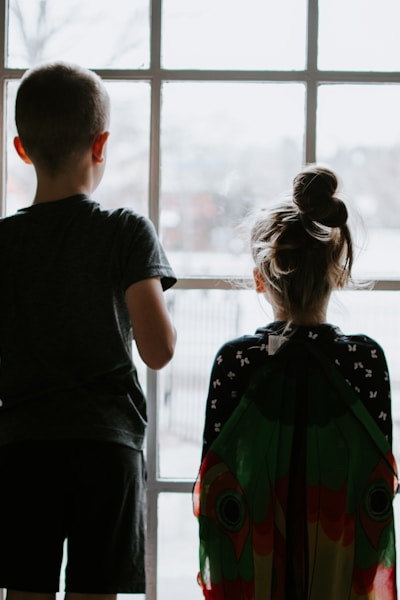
x: 311, y: 77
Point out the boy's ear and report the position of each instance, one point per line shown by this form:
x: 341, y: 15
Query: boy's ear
x: 99, y: 145
x: 260, y: 285
x: 20, y: 151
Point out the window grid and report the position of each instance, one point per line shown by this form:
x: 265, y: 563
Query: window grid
x: 310, y: 76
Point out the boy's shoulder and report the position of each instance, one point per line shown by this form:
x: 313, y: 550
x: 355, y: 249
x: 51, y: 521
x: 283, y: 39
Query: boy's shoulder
x: 80, y: 206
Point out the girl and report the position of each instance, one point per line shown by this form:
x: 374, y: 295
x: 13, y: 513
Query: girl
x: 302, y: 250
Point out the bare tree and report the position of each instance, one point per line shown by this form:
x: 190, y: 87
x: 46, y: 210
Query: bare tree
x: 41, y: 27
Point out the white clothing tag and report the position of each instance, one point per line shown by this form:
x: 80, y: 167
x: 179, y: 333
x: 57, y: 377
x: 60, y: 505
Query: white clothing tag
x: 275, y: 342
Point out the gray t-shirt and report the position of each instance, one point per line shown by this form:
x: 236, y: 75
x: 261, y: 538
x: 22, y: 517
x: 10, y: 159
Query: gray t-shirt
x: 65, y: 335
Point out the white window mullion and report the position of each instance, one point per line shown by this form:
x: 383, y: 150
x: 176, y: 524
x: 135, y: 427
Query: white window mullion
x: 152, y: 495
x: 152, y: 378
x: 154, y: 175
x: 155, y: 59
x: 312, y: 87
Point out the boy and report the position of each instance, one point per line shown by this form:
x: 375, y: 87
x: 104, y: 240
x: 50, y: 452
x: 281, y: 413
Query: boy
x: 76, y: 282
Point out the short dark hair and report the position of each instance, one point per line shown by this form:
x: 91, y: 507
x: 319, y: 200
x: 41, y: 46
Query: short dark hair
x: 59, y: 110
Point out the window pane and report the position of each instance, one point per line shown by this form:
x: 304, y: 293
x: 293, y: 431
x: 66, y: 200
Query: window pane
x: 126, y: 178
x: 226, y: 149
x: 94, y: 33
x: 359, y: 35
x: 356, y: 136
x: 215, y: 316
x: 232, y: 34
x: 125, y: 182
x: 177, y: 548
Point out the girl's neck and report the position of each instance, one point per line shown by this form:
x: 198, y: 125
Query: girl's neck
x: 305, y: 320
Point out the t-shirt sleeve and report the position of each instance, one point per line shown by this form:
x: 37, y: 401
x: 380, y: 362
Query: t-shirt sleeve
x: 142, y: 254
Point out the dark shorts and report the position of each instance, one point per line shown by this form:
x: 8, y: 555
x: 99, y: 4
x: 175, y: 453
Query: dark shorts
x: 90, y: 493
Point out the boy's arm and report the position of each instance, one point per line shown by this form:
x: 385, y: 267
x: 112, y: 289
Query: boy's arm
x: 154, y: 334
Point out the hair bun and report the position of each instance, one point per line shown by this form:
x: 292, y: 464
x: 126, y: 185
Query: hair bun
x: 314, y: 195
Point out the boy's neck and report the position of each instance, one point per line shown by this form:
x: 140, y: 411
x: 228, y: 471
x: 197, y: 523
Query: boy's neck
x: 53, y: 193
x: 70, y: 182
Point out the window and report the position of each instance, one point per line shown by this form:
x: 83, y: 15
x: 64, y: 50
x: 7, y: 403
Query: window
x: 215, y: 107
